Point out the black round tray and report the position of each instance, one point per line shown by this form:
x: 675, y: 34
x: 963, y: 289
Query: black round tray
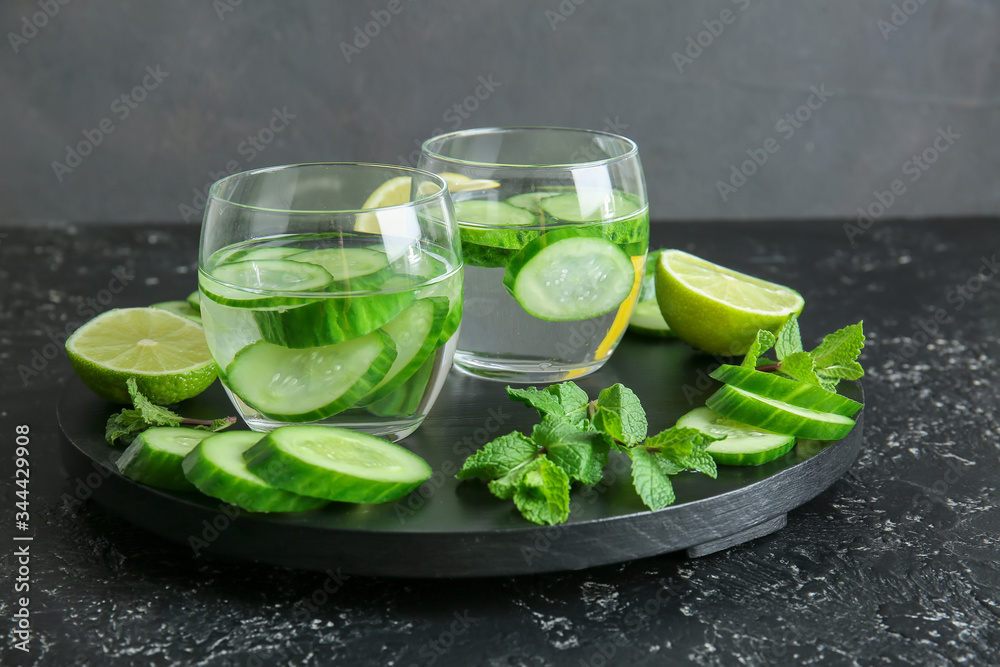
x: 449, y: 528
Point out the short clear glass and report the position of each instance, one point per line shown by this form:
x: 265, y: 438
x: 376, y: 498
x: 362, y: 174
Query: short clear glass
x: 555, y: 227
x: 331, y: 294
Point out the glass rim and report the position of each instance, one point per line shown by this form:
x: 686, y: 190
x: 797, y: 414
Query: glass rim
x: 631, y: 152
x: 438, y: 180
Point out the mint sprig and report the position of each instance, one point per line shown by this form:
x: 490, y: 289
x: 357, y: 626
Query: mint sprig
x: 571, y: 443
x: 833, y: 360
x: 144, y: 414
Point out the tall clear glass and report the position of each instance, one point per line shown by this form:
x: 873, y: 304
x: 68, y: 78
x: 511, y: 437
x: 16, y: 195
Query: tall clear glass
x: 555, y: 228
x: 331, y: 294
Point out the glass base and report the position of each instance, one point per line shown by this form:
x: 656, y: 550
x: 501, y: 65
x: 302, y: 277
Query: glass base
x: 522, y: 371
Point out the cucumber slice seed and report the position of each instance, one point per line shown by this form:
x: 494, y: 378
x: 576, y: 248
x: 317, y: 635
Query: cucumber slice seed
x: 785, y: 389
x: 312, y: 383
x: 155, y: 456
x: 778, y: 416
x: 336, y: 464
x: 216, y: 467
x: 568, y: 274
x: 743, y: 445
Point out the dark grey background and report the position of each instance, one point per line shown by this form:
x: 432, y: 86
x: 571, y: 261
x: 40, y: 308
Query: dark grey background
x: 596, y: 64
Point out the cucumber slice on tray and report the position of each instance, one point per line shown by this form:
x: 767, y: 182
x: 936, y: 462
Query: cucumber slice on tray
x: 785, y: 389
x: 336, y: 464
x: 156, y: 455
x: 302, y: 385
x: 743, y: 445
x: 568, y: 274
x: 778, y: 416
x: 216, y: 467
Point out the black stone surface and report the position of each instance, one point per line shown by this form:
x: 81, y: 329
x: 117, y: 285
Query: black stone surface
x: 896, y: 563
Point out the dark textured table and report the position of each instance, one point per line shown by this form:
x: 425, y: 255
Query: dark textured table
x: 896, y: 563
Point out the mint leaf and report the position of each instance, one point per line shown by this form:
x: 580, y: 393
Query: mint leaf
x: 124, y: 425
x: 565, y: 399
x: 765, y: 341
x: 619, y: 414
x: 789, y: 339
x: 837, y: 354
x: 542, y: 495
x: 650, y: 479
x: 800, y: 366
x: 685, y: 448
x: 581, y: 454
x: 499, y: 457
x: 154, y: 414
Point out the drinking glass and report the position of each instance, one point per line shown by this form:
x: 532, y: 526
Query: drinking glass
x: 331, y: 294
x: 554, y: 226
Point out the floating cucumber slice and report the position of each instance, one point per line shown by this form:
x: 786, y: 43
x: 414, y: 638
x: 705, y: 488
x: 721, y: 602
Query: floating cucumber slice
x: 264, y: 252
x: 531, y: 201
x: 405, y: 401
x: 313, y: 383
x: 625, y: 220
x: 571, y: 273
x: 336, y: 464
x: 330, y: 320
x: 156, y: 454
x: 778, y: 416
x: 489, y: 233
x: 416, y: 332
x: 182, y: 308
x: 237, y: 283
x: 785, y: 389
x: 194, y: 300
x: 743, y: 445
x: 352, y: 269
x: 216, y: 467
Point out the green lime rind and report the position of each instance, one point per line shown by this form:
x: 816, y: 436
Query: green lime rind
x: 252, y: 283
x: 336, y: 464
x: 156, y: 456
x: 785, y: 389
x: 556, y: 276
x: 330, y: 320
x: 416, y: 333
x: 304, y: 385
x: 182, y: 308
x: 743, y: 445
x: 107, y: 375
x: 194, y: 301
x: 216, y: 468
x: 778, y: 416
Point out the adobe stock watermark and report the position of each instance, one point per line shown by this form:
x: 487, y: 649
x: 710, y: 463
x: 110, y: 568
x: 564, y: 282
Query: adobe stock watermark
x: 30, y: 25
x: 121, y: 108
x: 365, y: 34
x: 304, y: 609
x: 562, y: 12
x: 87, y: 309
x: 223, y: 7
x: 786, y: 126
x: 248, y: 149
x: 914, y: 168
x: 704, y: 39
x: 898, y: 17
x: 456, y: 114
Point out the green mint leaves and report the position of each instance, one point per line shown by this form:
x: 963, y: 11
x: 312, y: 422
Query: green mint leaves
x: 833, y: 360
x: 145, y: 414
x: 572, y: 442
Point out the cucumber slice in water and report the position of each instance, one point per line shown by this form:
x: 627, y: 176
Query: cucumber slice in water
x: 531, y: 201
x: 569, y: 274
x: 352, y: 269
x: 778, y: 416
x: 156, y: 455
x: 485, y: 230
x: 264, y: 252
x: 743, y: 445
x: 416, y: 333
x: 336, y: 464
x: 236, y: 283
x: 216, y: 467
x: 785, y: 389
x: 625, y: 220
x: 313, y: 383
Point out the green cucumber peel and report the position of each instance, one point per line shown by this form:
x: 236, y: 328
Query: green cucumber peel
x: 833, y: 360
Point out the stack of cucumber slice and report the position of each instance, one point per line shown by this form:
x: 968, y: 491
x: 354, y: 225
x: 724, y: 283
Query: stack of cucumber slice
x: 761, y: 414
x: 292, y: 469
x: 374, y: 322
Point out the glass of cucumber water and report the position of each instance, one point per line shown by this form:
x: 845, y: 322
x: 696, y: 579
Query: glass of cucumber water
x: 554, y: 227
x: 331, y: 294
